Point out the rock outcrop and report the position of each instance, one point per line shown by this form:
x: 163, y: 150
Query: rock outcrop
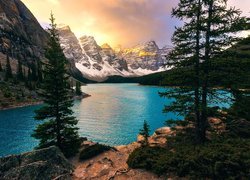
x: 20, y: 33
x: 145, y: 56
x: 23, y: 38
x: 44, y: 164
x: 110, y: 165
x: 159, y: 137
x: 50, y: 163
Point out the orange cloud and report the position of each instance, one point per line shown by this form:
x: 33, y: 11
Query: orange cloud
x: 125, y: 22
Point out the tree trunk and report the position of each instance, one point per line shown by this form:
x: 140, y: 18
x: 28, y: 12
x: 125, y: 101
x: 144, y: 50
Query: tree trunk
x: 197, y: 72
x: 204, y: 123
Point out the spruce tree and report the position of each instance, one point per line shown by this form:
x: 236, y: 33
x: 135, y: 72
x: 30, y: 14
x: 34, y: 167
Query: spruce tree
x: 20, y: 76
x: 145, y: 133
x: 220, y: 24
x: 1, y: 68
x: 234, y: 64
x: 34, y: 76
x: 59, y: 127
x: 206, y: 33
x: 39, y: 71
x: 8, y: 70
x: 78, y: 88
x: 185, y: 60
x: 29, y: 79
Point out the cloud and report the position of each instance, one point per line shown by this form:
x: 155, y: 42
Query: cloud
x: 56, y: 2
x: 125, y: 22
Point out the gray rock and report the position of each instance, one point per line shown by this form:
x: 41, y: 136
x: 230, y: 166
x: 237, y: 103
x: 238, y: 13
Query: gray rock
x: 43, y: 164
x: 21, y: 31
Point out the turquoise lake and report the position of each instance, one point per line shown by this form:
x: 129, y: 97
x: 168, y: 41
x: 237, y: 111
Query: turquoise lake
x: 112, y: 115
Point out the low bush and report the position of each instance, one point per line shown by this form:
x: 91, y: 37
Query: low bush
x: 92, y: 151
x: 228, y: 159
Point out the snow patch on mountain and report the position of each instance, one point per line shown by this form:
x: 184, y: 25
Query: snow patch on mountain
x: 99, y: 62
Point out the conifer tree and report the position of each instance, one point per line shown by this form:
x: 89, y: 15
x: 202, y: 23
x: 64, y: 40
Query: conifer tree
x: 207, y: 31
x: 39, y: 71
x: 59, y: 127
x: 234, y: 64
x: 20, y: 76
x: 186, y: 58
x: 29, y: 76
x: 8, y: 70
x: 220, y: 23
x: 78, y: 88
x: 29, y: 79
x: 26, y: 82
x: 145, y: 133
x: 34, y: 76
x: 1, y: 68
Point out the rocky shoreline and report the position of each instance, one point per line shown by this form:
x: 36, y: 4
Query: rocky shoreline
x: 84, y: 95
x: 112, y: 164
x: 32, y: 103
x: 49, y: 163
x: 21, y: 104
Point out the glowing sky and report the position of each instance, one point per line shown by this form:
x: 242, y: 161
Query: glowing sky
x: 125, y: 22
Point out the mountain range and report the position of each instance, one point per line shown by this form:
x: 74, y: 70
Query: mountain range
x: 100, y: 62
x: 23, y: 38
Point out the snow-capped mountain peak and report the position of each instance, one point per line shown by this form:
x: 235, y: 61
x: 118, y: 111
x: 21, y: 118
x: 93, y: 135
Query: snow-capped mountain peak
x: 99, y: 62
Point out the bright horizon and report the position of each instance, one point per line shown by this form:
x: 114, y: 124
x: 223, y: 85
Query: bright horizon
x: 117, y: 22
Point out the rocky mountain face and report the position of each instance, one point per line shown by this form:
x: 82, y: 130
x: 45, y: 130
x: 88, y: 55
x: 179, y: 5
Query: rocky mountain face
x: 95, y: 62
x: 20, y: 33
x: 47, y: 163
x: 99, y: 62
x: 22, y: 37
x: 145, y: 56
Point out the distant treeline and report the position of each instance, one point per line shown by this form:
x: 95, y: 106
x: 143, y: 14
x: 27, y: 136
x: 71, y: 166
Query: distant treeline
x: 233, y: 63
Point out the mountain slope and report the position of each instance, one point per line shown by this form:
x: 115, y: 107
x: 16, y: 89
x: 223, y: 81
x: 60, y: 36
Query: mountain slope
x: 22, y: 37
x: 20, y: 33
x: 100, y: 62
x: 230, y: 68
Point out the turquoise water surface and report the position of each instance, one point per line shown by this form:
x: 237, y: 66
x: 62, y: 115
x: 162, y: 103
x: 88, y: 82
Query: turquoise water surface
x: 112, y: 115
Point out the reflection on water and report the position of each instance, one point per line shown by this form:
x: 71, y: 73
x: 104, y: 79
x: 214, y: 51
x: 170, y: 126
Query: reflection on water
x: 115, y: 112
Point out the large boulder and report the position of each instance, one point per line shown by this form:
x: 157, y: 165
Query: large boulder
x: 43, y: 164
x: 164, y: 131
x: 159, y: 138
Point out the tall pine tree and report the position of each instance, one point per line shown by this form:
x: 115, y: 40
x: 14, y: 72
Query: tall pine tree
x: 206, y: 33
x: 78, y: 88
x: 59, y: 127
x: 8, y: 70
x: 20, y: 76
x: 145, y: 132
x: 1, y: 68
x: 39, y: 71
x: 185, y: 59
x: 220, y: 24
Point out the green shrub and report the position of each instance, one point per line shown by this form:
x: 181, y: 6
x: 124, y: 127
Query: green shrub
x: 92, y: 151
x: 228, y: 159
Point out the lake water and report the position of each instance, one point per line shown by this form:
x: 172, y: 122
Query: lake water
x: 112, y: 115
